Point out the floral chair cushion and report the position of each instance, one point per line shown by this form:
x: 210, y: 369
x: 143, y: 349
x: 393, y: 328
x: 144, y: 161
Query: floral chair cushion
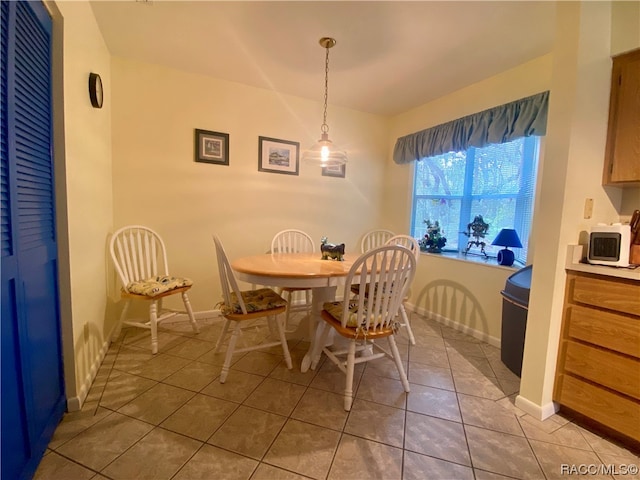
x: 255, y: 300
x: 335, y: 310
x: 155, y: 286
x: 355, y: 289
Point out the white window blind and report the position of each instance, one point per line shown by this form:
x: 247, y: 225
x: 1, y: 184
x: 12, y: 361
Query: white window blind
x: 496, y: 181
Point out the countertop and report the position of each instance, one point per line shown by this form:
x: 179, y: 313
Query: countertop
x: 576, y: 262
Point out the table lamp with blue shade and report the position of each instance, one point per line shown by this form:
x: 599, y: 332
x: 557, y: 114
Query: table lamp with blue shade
x: 507, y: 238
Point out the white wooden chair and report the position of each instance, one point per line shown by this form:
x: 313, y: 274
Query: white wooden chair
x: 294, y: 241
x: 241, y: 306
x: 412, y: 244
x: 374, y: 238
x: 383, y: 275
x: 140, y: 258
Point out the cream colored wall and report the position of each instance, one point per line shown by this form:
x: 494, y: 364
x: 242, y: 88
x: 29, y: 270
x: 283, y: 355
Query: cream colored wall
x: 464, y: 295
x: 84, y: 209
x: 625, y: 16
x: 157, y: 183
x: 572, y: 172
x: 630, y: 202
x: 475, y: 287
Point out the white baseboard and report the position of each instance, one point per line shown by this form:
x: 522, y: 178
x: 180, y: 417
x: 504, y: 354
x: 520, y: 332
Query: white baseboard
x: 480, y: 335
x: 207, y: 314
x: 200, y: 315
x: 539, y: 412
x: 75, y: 403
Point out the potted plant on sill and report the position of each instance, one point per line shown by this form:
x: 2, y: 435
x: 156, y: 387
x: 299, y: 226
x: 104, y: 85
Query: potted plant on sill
x: 433, y: 241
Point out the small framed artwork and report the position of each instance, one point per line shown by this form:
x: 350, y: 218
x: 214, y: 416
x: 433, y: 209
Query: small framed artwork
x: 278, y: 156
x: 212, y: 147
x: 334, y: 171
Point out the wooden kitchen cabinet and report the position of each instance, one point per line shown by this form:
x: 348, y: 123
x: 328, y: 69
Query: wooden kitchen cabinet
x: 622, y: 154
x: 598, y: 369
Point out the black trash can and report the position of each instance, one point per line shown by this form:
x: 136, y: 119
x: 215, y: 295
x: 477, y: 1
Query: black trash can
x: 515, y: 306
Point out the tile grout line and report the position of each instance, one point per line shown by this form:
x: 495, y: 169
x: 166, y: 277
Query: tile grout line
x: 488, y: 355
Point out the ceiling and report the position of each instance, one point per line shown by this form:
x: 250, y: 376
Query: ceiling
x: 390, y: 56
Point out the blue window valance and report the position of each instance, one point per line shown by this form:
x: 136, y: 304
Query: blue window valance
x: 521, y: 118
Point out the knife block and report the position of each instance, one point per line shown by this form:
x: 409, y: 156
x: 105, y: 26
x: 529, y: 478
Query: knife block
x: 634, y: 255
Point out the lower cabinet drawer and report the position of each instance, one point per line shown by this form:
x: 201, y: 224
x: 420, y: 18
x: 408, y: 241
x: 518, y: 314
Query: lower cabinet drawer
x: 620, y: 295
x: 607, y: 368
x: 615, y: 411
x: 610, y: 330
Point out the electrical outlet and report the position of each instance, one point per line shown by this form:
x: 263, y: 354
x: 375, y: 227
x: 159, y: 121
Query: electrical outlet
x: 588, y: 208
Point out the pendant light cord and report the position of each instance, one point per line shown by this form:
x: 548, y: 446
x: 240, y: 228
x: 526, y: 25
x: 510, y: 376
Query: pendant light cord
x: 325, y: 128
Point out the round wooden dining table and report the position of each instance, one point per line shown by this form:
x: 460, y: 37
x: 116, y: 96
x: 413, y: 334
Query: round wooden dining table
x: 306, y: 270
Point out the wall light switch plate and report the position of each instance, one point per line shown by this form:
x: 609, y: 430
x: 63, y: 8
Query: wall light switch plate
x: 588, y: 208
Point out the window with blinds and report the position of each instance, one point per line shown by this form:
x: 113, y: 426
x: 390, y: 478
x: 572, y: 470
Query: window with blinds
x: 496, y: 181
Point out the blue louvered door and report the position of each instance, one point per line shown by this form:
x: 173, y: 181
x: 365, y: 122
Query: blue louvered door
x: 32, y: 391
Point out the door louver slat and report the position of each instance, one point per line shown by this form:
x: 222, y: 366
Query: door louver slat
x: 36, y: 222
x: 5, y: 244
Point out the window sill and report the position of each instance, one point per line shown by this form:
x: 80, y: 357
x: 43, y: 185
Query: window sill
x: 473, y: 258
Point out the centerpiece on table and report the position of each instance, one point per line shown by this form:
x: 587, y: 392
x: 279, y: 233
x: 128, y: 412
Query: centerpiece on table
x: 433, y: 240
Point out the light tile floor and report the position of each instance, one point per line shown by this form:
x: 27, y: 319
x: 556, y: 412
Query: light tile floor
x: 166, y: 416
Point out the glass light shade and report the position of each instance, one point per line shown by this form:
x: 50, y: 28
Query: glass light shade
x: 507, y: 237
x: 324, y: 153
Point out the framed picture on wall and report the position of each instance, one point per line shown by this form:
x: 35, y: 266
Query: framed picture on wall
x: 334, y: 171
x: 211, y: 147
x: 278, y: 156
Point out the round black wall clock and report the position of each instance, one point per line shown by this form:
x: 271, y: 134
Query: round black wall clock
x: 96, y: 94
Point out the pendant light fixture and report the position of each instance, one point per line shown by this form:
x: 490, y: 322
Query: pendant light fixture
x: 324, y: 152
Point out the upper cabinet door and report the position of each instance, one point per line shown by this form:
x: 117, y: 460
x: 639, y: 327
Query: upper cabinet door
x: 622, y: 155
